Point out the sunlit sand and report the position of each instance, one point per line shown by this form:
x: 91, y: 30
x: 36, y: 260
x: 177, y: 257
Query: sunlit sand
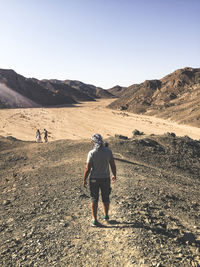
x: 82, y: 120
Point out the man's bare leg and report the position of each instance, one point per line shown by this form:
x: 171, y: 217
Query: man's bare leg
x: 94, y: 206
x: 106, y: 208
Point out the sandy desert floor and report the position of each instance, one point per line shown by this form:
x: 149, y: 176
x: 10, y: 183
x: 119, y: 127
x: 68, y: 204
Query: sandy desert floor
x: 82, y: 120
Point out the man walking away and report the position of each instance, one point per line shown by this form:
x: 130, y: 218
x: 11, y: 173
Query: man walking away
x: 45, y: 136
x: 97, y: 168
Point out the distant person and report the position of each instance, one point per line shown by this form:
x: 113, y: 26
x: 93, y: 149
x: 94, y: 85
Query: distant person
x: 38, y: 136
x: 97, y: 166
x: 45, y: 136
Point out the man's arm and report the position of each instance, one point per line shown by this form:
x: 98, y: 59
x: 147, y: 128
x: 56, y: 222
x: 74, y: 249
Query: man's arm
x: 86, y: 173
x: 113, y: 168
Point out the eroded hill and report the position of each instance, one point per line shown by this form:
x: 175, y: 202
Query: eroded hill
x: 154, y: 217
x: 117, y: 90
x: 17, y: 91
x: 176, y: 96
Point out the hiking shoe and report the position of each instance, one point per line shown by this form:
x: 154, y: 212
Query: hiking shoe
x: 95, y: 223
x: 106, y: 217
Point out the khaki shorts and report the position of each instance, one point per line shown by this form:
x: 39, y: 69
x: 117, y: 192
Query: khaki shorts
x: 104, y: 185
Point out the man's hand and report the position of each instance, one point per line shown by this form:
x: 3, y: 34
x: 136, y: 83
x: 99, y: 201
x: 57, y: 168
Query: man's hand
x: 85, y: 183
x: 86, y: 173
x: 113, y: 168
x: 114, y: 179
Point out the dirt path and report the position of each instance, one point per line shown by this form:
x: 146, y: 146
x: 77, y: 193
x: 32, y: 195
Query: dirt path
x: 46, y: 216
x: 110, y: 244
x: 83, y: 120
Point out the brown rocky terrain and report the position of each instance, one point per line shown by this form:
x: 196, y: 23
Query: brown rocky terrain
x: 117, y: 90
x: 88, y: 89
x: 154, y: 218
x: 175, y: 96
x: 18, y: 91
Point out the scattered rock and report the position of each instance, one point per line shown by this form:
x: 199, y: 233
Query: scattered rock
x: 188, y: 237
x: 84, y: 196
x: 171, y: 134
x: 137, y: 132
x: 121, y: 137
x: 153, y: 206
x: 6, y: 202
x: 123, y: 107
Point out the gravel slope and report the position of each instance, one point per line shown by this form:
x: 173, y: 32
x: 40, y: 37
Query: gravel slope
x: 45, y: 212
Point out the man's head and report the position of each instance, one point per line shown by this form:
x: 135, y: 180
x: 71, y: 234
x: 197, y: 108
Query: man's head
x: 97, y: 140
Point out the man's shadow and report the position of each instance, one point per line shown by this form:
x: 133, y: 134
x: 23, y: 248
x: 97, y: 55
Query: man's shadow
x: 118, y: 225
x: 160, y: 231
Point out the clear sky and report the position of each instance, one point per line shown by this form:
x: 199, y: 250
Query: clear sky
x: 101, y: 42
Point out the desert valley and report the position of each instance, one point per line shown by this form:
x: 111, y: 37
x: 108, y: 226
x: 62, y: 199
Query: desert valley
x: 153, y: 129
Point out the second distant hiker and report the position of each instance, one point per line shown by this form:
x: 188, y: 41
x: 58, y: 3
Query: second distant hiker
x: 45, y: 136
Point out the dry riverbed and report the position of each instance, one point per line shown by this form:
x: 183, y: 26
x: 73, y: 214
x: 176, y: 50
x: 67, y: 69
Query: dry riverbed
x: 82, y: 120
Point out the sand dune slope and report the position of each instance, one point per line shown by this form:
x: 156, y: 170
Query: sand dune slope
x: 12, y: 98
x: 82, y: 120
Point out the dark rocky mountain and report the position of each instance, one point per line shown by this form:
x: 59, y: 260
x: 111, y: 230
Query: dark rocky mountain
x: 18, y: 91
x: 176, y: 96
x: 2, y: 105
x: 117, y: 90
x: 88, y: 89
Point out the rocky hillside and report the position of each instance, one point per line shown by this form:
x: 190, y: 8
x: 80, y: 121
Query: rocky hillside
x: 88, y: 89
x: 176, y: 96
x: 155, y: 204
x: 18, y: 91
x: 117, y: 90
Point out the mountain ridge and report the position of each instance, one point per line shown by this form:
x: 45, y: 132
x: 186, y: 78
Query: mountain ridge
x: 175, y: 96
x: 32, y: 92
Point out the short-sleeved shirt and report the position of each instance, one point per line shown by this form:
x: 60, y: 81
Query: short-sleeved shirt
x: 99, y: 160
